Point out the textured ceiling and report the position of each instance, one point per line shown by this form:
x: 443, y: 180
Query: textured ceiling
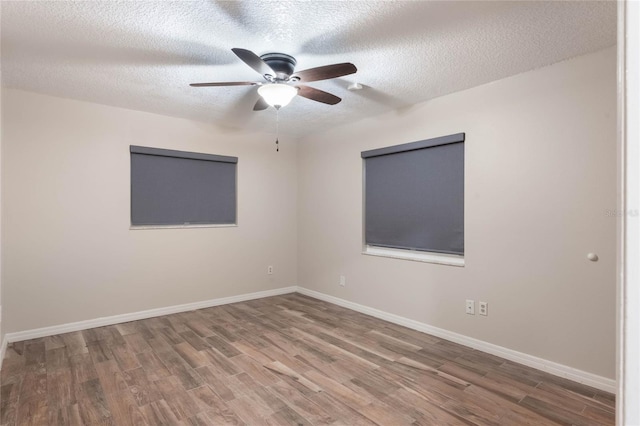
x: 143, y: 55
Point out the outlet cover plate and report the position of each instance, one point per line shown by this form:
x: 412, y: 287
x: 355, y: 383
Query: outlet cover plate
x: 470, y: 307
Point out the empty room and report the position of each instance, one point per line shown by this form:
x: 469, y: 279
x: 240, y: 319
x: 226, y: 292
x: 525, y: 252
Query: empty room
x: 309, y: 213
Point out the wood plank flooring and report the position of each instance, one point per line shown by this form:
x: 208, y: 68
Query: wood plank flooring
x: 285, y: 360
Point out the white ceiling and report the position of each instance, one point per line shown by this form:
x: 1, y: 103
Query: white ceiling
x: 143, y: 55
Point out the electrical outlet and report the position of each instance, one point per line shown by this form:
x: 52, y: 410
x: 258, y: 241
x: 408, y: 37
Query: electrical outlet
x: 270, y: 270
x: 470, y: 307
x: 483, y: 308
x: 343, y: 281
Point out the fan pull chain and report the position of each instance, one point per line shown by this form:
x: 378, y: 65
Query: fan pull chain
x: 277, y: 129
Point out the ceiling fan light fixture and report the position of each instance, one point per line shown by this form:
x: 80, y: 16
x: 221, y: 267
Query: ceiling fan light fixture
x: 277, y: 94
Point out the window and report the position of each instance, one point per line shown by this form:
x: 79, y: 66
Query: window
x: 414, y: 200
x: 175, y: 188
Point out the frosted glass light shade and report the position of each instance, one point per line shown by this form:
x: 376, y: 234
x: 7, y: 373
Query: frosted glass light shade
x: 276, y: 94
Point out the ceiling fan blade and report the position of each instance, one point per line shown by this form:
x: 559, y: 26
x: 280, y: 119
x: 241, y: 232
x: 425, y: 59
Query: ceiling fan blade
x: 326, y: 72
x: 227, y: 83
x: 317, y: 95
x: 254, y: 61
x: 260, y: 105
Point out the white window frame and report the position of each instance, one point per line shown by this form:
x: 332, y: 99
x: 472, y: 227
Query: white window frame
x: 404, y: 254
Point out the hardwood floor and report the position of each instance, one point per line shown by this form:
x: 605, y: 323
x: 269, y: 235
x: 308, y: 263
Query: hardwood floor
x: 285, y: 360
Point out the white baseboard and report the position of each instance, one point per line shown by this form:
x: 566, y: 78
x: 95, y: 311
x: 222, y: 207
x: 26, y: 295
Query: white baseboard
x: 599, y: 382
x: 117, y: 319
x: 560, y: 370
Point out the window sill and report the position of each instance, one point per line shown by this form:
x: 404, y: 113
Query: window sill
x: 416, y: 256
x: 143, y: 227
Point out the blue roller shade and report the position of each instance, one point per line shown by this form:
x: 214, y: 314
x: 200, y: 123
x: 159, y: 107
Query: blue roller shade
x: 414, y: 195
x: 180, y: 188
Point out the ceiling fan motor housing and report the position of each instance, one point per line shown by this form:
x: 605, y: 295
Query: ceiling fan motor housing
x: 281, y: 63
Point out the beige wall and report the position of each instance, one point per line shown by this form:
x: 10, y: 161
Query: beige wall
x: 540, y: 173
x: 68, y: 252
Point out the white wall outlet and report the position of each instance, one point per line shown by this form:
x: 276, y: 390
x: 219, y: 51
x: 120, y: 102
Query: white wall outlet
x: 470, y: 307
x: 270, y: 270
x: 343, y: 281
x: 483, y: 308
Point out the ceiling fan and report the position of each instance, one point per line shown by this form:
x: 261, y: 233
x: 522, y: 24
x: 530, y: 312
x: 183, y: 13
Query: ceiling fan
x: 281, y: 84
